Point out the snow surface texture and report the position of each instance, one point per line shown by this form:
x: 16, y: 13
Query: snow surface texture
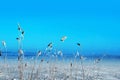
x: 60, y: 70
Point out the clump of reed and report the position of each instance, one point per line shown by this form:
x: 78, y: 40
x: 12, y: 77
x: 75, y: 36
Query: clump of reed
x: 20, y: 52
x: 96, y: 67
x: 4, y: 48
x: 3, y: 53
x: 35, y: 70
x: 52, y: 60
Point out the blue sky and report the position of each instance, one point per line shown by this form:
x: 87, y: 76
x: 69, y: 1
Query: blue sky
x: 95, y: 24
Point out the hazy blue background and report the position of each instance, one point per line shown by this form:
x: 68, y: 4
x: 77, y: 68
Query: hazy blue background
x: 93, y: 23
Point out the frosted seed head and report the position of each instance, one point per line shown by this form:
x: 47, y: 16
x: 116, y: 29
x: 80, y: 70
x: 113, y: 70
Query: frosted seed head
x: 20, y: 51
x: 39, y: 53
x: 17, y: 38
x: 78, y: 44
x: 19, y: 28
x: 63, y: 38
x: 60, y: 53
x: 23, y: 32
x: 4, y: 43
x: 50, y: 45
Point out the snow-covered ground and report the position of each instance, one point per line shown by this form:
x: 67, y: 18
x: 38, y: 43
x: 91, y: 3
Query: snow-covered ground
x: 108, y: 69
